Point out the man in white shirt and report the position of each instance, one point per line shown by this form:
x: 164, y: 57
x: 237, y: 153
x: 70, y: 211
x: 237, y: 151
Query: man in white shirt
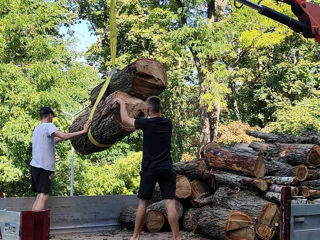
x: 42, y: 165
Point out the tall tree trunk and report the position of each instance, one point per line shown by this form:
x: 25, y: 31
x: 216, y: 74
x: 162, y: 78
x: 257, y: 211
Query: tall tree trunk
x: 214, y: 122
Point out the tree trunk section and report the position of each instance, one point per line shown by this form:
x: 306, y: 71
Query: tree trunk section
x: 224, y: 160
x: 191, y: 218
x: 288, y: 181
x: 196, y: 169
x: 106, y: 125
x: 234, y: 180
x: 154, y: 221
x: 198, y: 188
x: 272, y: 138
x: 277, y: 188
x: 127, y: 218
x: 268, y: 221
x: 203, y: 200
x: 239, y: 226
x: 183, y: 187
x: 276, y: 198
x: 293, y: 154
x: 142, y: 79
x: 313, y: 184
x: 161, y: 207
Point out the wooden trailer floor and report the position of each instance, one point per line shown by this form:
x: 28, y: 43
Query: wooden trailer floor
x: 122, y: 235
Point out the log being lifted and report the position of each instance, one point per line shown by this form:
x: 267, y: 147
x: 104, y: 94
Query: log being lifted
x: 225, y: 160
x: 293, y: 154
x: 234, y: 180
x: 106, y: 126
x: 221, y: 224
x: 272, y: 138
x: 142, y: 79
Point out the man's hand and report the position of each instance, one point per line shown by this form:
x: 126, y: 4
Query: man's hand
x: 86, y: 126
x: 118, y: 100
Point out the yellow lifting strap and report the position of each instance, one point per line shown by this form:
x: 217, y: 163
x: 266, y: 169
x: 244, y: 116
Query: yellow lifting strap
x: 113, y: 46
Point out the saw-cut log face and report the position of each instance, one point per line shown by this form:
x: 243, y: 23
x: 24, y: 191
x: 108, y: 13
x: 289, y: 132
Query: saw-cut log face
x: 313, y: 157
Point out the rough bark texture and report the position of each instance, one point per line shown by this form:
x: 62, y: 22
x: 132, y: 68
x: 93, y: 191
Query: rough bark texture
x: 142, y: 79
x: 154, y: 221
x: 127, y: 218
x: 313, y: 184
x: 161, y: 207
x: 221, y: 224
x: 293, y: 154
x: 234, y: 180
x: 281, y: 180
x: 191, y: 217
x: 276, y: 198
x: 196, y: 169
x: 268, y: 221
x: 269, y: 137
x: 183, y: 187
x: 106, y: 125
x: 249, y: 166
x: 277, y: 188
x: 203, y: 200
x: 244, y: 201
x: 276, y: 168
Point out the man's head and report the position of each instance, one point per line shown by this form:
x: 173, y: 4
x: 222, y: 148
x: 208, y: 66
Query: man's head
x: 154, y: 105
x: 46, y: 113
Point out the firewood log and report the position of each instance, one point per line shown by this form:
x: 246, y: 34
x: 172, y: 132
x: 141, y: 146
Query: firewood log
x: 268, y: 221
x: 127, y: 218
x: 203, y: 200
x: 198, y: 188
x: 276, y: 198
x: 183, y: 187
x: 313, y: 184
x: 276, y: 168
x: 225, y: 160
x: 277, y: 188
x: 142, y: 79
x: 106, y: 125
x: 289, y: 181
x: 195, y: 169
x: 191, y: 217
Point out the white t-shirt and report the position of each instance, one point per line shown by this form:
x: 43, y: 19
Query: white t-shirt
x: 44, y: 147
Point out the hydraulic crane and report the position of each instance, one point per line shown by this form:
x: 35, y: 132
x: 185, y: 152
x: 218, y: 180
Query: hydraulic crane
x: 308, y: 15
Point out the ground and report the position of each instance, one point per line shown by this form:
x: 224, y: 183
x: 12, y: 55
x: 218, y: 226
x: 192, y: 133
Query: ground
x: 122, y: 235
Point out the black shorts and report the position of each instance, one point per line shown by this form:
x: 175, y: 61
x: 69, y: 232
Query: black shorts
x: 166, y: 179
x: 40, y: 180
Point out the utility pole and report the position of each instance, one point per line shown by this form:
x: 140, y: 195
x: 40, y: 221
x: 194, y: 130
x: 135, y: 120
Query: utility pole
x: 72, y: 149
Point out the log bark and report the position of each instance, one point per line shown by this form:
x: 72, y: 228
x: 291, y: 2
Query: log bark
x: 203, y: 200
x: 272, y: 138
x: 196, y: 169
x: 276, y: 198
x: 249, y: 166
x: 155, y: 221
x: 106, y: 125
x: 127, y: 218
x: 277, y: 188
x: 276, y: 168
x: 293, y: 154
x: 183, y: 187
x: 191, y: 217
x: 198, y: 188
x: 161, y: 207
x: 221, y: 224
x: 312, y: 184
x: 268, y: 221
x: 234, y: 180
x: 244, y: 201
x: 142, y: 79
x: 288, y: 181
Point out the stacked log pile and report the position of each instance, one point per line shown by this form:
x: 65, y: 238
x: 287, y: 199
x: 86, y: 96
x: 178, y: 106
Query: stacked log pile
x: 133, y: 84
x: 234, y: 192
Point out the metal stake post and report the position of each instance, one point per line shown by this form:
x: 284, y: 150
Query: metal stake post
x: 72, y: 149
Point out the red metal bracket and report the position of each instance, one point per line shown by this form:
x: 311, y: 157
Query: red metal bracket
x: 285, y: 213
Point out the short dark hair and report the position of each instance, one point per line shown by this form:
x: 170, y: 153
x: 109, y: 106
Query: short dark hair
x: 45, y: 112
x: 155, y: 104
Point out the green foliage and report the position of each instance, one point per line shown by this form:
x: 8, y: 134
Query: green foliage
x: 297, y: 119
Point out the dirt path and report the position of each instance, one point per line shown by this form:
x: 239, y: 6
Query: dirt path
x: 122, y: 235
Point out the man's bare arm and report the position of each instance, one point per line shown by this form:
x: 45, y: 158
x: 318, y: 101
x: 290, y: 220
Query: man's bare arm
x: 124, y: 114
x: 66, y: 136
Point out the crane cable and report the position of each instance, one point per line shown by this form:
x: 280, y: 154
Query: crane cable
x: 113, y: 47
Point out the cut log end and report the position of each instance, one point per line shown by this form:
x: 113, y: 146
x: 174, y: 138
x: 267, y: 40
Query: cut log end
x: 305, y: 191
x: 183, y: 187
x: 239, y: 226
x: 313, y: 156
x: 261, y: 184
x: 154, y: 221
x: 301, y: 173
x: 268, y: 220
x: 260, y: 168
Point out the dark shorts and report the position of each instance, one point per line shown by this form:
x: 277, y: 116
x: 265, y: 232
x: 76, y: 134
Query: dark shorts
x: 40, y: 180
x: 166, y: 179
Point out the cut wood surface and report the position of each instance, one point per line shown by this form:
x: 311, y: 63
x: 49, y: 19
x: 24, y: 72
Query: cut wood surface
x: 154, y: 221
x: 277, y: 188
x: 305, y: 191
x: 239, y: 226
x: 301, y: 173
x: 195, y: 169
x: 293, y: 154
x: 244, y: 201
x: 106, y: 126
x: 268, y: 221
x: 243, y: 182
x: 183, y: 187
x: 198, y: 188
x: 222, y: 159
x: 142, y: 79
x: 272, y: 138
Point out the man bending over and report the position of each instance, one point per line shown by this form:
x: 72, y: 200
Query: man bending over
x: 156, y: 162
x: 44, y: 138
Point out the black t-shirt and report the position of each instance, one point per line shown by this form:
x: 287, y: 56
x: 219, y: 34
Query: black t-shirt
x: 157, y: 132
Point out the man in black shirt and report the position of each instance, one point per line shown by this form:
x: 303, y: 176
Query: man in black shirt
x: 156, y: 162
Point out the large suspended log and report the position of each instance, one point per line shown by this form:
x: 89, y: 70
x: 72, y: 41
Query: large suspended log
x: 142, y: 79
x: 221, y: 224
x: 272, y: 138
x: 127, y: 218
x: 222, y: 159
x: 293, y: 154
x: 234, y: 180
x: 268, y: 221
x: 106, y: 125
x: 196, y: 169
x: 241, y: 148
x: 183, y: 187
